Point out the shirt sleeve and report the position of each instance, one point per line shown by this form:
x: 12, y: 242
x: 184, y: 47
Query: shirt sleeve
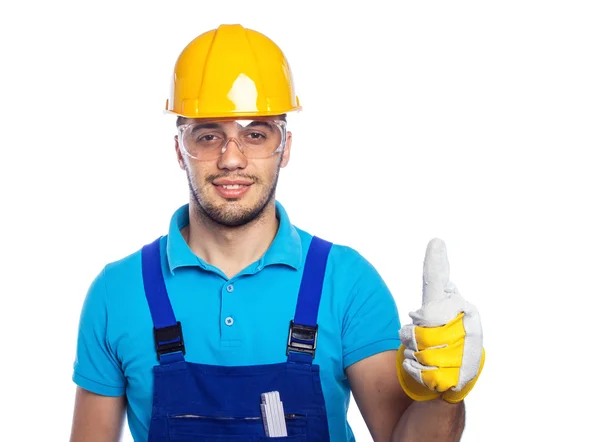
x: 371, y: 321
x: 96, y: 366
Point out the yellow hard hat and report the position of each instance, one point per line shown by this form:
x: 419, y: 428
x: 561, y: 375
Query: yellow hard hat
x: 232, y: 71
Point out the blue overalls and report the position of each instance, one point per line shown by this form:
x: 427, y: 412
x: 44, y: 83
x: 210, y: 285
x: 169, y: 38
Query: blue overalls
x: 198, y: 402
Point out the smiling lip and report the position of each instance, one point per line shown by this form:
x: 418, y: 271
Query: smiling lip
x: 232, y: 188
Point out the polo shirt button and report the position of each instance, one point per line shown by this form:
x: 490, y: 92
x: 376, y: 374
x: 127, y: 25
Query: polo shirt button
x: 229, y: 321
x: 230, y: 288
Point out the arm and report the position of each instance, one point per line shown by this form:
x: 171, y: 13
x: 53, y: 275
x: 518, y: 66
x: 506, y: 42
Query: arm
x: 378, y: 394
x: 391, y: 415
x: 434, y: 420
x: 100, y: 398
x: 97, y: 418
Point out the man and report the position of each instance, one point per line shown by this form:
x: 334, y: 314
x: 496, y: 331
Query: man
x: 188, y: 333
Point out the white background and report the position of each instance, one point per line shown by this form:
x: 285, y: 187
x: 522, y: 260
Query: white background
x: 476, y: 122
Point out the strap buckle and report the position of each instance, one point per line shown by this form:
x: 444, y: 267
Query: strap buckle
x: 302, y: 338
x: 168, y: 340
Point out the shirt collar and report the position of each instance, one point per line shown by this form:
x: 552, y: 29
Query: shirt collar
x: 286, y: 247
x: 178, y: 252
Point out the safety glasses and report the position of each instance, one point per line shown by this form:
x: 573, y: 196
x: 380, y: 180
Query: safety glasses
x: 207, y: 140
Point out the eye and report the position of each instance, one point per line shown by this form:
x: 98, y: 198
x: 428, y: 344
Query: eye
x: 208, y: 139
x: 256, y: 135
x: 255, y: 138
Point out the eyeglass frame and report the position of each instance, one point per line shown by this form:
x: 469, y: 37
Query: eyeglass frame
x: 281, y: 125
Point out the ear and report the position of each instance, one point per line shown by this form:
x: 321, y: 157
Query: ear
x: 179, y: 154
x: 285, y: 156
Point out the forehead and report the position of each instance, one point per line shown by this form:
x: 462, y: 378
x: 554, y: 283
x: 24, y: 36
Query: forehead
x: 270, y: 124
x: 231, y: 120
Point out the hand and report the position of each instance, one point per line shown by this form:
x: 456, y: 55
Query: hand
x: 442, y: 350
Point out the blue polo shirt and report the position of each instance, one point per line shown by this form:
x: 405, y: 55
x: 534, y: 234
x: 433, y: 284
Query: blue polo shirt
x: 239, y: 321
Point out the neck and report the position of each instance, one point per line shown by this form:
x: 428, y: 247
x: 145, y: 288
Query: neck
x: 231, y: 249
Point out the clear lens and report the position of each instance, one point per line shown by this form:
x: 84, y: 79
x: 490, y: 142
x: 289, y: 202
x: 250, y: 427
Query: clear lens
x: 208, y: 139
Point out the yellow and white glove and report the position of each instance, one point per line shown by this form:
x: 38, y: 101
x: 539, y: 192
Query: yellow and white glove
x: 442, y: 350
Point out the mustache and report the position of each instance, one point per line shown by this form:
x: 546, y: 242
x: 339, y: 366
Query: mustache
x: 253, y: 178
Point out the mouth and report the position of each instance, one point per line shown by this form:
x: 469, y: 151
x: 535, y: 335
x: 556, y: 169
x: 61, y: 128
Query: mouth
x: 233, y: 186
x: 231, y: 190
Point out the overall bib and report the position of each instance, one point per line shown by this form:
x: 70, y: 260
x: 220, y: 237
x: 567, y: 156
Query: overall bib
x: 199, y: 402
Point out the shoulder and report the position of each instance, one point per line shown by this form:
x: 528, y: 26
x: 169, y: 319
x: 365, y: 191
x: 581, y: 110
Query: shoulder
x: 120, y: 276
x: 340, y: 254
x: 123, y: 270
x: 116, y: 300
x: 358, y: 294
x: 346, y: 264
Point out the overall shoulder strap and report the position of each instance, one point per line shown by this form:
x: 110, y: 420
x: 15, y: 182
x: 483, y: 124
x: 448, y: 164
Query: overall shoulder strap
x: 302, y: 336
x: 168, y: 337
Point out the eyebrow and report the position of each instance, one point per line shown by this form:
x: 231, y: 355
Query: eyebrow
x: 205, y: 126
x: 261, y: 123
x: 254, y: 123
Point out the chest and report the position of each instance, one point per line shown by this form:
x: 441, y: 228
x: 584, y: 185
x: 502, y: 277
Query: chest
x: 241, y: 321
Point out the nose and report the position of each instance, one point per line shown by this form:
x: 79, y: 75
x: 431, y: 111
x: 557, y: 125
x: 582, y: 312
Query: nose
x: 231, y: 156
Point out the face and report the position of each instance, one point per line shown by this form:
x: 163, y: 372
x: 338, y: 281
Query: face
x: 232, y: 190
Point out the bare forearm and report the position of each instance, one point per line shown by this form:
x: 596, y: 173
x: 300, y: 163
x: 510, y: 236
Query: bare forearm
x: 429, y: 421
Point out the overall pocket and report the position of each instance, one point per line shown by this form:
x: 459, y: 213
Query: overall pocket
x: 195, y: 428
x: 297, y: 438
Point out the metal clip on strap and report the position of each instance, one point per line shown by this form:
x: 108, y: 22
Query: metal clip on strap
x: 302, y: 338
x: 168, y: 340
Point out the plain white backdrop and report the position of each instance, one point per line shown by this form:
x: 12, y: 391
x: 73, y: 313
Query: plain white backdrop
x: 476, y: 122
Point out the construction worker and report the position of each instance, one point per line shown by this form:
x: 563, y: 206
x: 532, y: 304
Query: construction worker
x: 188, y: 334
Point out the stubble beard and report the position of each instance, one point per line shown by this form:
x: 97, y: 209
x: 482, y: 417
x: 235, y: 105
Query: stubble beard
x: 230, y: 214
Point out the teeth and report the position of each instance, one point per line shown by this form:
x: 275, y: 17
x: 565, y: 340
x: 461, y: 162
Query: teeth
x: 232, y: 186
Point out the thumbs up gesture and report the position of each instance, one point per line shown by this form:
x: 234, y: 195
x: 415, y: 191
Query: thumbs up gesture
x: 442, y: 350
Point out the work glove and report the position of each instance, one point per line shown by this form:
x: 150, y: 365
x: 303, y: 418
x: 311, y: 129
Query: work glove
x: 442, y: 350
